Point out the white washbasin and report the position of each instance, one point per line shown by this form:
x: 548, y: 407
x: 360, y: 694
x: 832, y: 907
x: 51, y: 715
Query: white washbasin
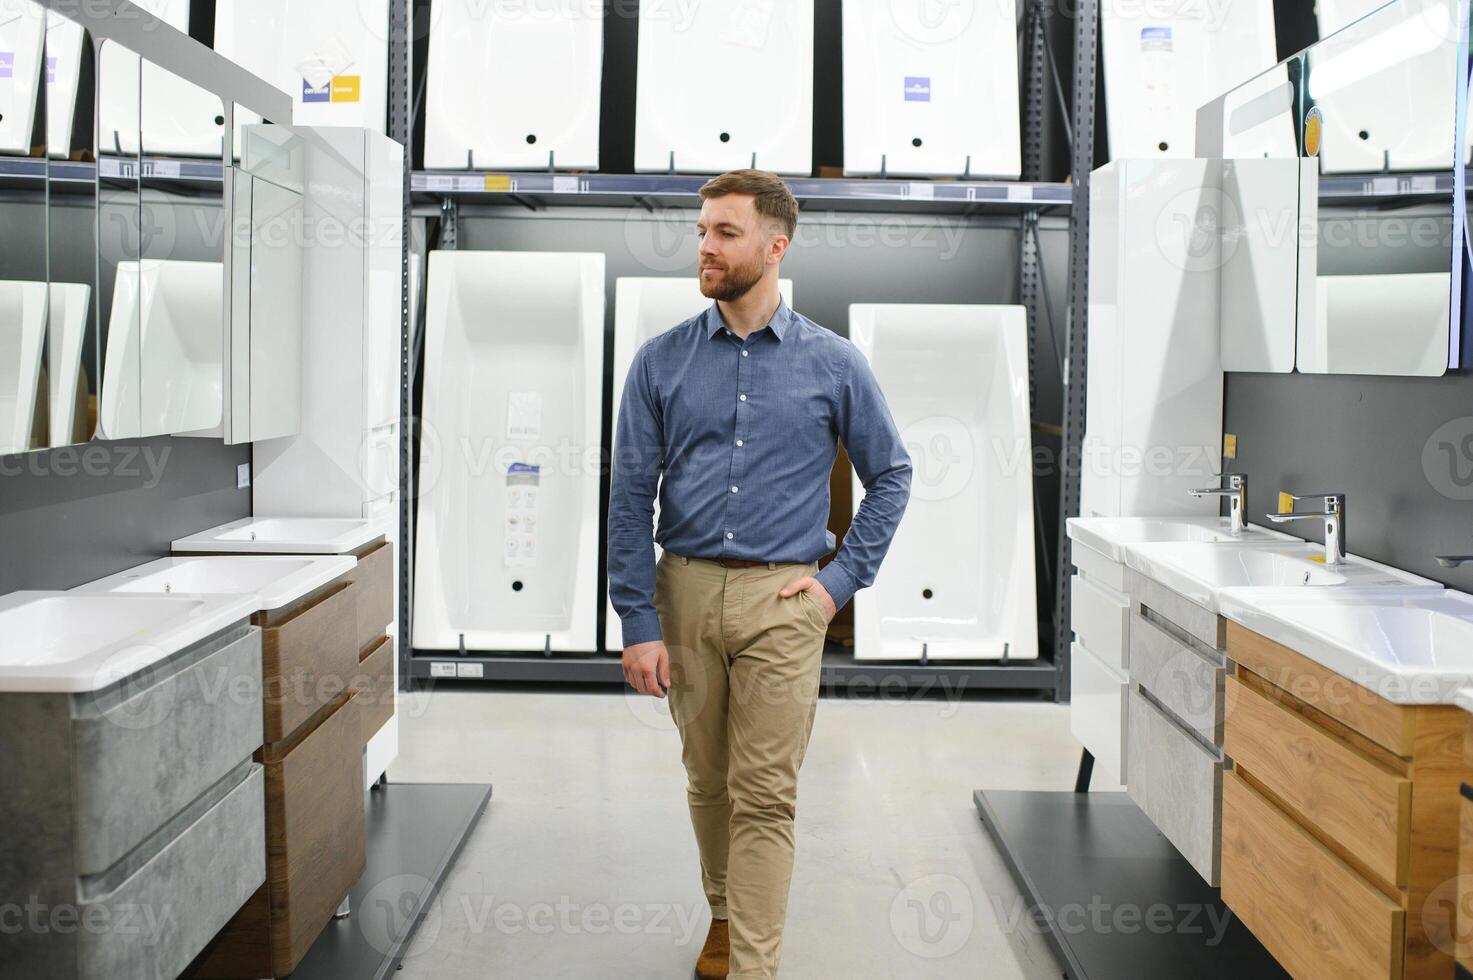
x: 273, y: 580
x: 69, y: 642
x: 1201, y: 571
x: 1409, y: 648
x: 1110, y: 535
x: 292, y: 535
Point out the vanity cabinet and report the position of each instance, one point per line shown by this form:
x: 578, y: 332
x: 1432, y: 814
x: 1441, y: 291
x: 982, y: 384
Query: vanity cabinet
x: 138, y: 807
x: 1099, y: 694
x: 1175, y: 738
x: 1341, y: 818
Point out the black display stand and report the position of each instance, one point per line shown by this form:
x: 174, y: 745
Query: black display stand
x: 415, y: 833
x: 1117, y: 899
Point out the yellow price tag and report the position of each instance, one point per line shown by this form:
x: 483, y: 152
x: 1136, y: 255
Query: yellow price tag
x: 498, y: 182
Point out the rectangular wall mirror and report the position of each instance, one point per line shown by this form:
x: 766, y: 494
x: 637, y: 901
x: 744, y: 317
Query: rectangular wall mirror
x: 118, y: 285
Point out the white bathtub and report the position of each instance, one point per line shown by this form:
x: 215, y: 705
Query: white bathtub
x: 645, y: 306
x: 22, y: 335
x: 768, y: 117
x: 164, y: 369
x: 958, y: 582
x: 66, y: 330
x: 512, y: 380
x: 550, y: 57
x: 22, y: 35
x: 931, y: 93
x: 63, y: 72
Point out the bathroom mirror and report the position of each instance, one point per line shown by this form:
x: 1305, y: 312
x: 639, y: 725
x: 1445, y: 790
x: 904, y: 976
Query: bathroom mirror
x: 69, y: 359
x: 265, y: 335
x: 181, y: 242
x: 23, y: 220
x: 118, y: 282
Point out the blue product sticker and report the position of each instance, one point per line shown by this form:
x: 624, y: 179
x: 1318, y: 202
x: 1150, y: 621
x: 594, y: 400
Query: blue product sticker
x: 523, y: 468
x: 310, y: 94
x: 7, y: 64
x: 917, y: 88
x: 51, y: 70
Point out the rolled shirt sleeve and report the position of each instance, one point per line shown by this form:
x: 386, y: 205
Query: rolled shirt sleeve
x: 873, y: 443
x: 637, y: 463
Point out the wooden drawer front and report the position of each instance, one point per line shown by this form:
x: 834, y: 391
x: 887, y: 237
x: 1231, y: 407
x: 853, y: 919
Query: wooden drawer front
x: 1180, y: 677
x: 373, y: 577
x: 1355, y: 802
x: 307, y: 661
x: 1176, y: 782
x: 1098, y: 617
x: 1097, y: 709
x: 375, y: 688
x: 1463, y: 929
x: 1318, y: 918
x: 315, y: 842
x: 1389, y: 725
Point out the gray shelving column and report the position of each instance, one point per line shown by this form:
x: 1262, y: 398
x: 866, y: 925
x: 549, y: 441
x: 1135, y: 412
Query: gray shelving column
x: 401, y: 128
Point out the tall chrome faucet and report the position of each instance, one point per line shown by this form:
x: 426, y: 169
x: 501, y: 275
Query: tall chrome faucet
x: 1236, y: 491
x: 1334, y: 517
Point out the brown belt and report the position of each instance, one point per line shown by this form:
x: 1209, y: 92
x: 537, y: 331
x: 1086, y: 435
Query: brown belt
x: 735, y: 562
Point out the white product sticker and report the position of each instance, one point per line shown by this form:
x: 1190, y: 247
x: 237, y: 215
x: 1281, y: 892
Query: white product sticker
x: 565, y: 185
x: 921, y: 191
x: 524, y: 415
x: 522, y: 491
x: 440, y: 668
x: 470, y: 670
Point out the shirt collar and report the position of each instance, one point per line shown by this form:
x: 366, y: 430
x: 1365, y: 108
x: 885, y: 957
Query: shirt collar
x: 779, y: 322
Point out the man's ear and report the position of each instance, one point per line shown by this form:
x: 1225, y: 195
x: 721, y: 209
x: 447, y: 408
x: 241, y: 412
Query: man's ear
x: 778, y: 247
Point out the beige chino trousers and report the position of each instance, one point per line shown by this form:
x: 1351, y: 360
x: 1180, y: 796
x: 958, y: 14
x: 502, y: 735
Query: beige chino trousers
x: 744, y: 677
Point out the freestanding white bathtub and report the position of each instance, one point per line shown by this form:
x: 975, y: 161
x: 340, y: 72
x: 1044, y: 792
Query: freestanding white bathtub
x: 507, y: 548
x: 22, y: 34
x: 958, y: 582
x: 767, y: 44
x: 551, y: 58
x: 644, y: 307
x: 63, y: 73
x: 931, y: 92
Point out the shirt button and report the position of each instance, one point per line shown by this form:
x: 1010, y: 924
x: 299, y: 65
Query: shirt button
x: 733, y: 489
x: 745, y: 353
x: 729, y: 535
x: 742, y: 397
x: 739, y: 442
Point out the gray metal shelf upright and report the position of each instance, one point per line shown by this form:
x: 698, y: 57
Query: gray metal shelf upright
x: 1026, y: 199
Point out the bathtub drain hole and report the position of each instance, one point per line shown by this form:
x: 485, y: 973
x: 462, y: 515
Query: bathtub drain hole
x: 926, y: 593
x: 516, y: 586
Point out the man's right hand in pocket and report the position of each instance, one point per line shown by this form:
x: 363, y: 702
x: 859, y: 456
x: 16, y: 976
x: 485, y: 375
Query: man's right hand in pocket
x: 647, y: 668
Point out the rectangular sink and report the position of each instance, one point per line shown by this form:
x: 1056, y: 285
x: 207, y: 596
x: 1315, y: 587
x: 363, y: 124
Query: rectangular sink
x: 70, y: 642
x: 1409, y: 648
x: 273, y: 580
x: 1201, y: 571
x: 1110, y: 535
x: 289, y: 535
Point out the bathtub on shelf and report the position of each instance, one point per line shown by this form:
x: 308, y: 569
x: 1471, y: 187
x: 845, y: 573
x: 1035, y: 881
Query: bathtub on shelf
x: 22, y: 38
x: 63, y: 74
x: 22, y: 337
x: 66, y: 379
x: 644, y: 307
x: 508, y: 509
x: 678, y: 127
x: 958, y: 581
x: 554, y: 64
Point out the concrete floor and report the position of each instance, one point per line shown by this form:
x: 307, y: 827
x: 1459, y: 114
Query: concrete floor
x: 585, y: 865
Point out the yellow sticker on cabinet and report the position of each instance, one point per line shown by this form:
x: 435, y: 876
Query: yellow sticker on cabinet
x: 347, y: 88
x: 1229, y: 446
x: 1314, y: 128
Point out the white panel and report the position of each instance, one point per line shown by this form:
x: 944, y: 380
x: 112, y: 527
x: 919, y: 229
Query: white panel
x: 384, y: 242
x: 1348, y: 333
x: 275, y: 289
x: 512, y: 82
x: 22, y: 335
x: 181, y: 358
x: 1099, y: 619
x: 1100, y: 569
x: 931, y: 93
x: 1162, y: 61
x: 956, y: 381
x: 643, y: 308
x: 1260, y: 257
x: 1098, y: 696
x: 508, y: 507
x: 66, y: 330
x: 63, y: 71
x: 22, y: 35
x: 117, y: 409
x: 764, y: 48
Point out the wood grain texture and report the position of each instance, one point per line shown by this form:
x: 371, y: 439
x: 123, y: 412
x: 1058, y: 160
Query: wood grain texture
x: 1464, y: 946
x: 307, y: 661
x: 375, y: 687
x: 1318, y: 918
x: 373, y: 578
x: 1389, y: 725
x: 1437, y: 774
x: 1348, y: 798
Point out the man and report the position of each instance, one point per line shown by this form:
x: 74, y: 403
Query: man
x: 739, y: 409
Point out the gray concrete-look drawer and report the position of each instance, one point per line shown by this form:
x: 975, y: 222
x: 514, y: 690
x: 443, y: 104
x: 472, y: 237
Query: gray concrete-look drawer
x: 1183, y: 678
x: 144, y: 749
x: 1203, y: 625
x: 162, y: 907
x: 1177, y: 783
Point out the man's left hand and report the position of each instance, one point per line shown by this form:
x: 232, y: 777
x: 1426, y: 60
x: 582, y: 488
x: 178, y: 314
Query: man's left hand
x: 810, y: 584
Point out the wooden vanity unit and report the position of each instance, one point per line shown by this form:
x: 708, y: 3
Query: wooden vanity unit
x: 1340, y: 819
x: 327, y: 672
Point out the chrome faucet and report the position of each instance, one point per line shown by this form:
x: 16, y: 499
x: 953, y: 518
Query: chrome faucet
x: 1236, y: 491
x: 1334, y: 517
x: 1452, y: 561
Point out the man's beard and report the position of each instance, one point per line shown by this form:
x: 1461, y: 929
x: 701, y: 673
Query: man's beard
x: 736, y: 283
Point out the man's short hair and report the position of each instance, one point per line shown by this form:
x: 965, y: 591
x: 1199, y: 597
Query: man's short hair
x: 773, y: 199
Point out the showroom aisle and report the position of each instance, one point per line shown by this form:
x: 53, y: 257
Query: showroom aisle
x: 584, y: 864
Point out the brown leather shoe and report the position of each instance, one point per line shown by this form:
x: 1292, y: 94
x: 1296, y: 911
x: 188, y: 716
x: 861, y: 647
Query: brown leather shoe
x: 716, y: 954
